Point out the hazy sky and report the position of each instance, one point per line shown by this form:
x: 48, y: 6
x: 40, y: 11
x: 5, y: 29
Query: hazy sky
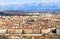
x: 5, y: 2
x: 29, y: 4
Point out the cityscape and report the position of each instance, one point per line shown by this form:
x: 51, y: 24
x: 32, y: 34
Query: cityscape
x: 29, y: 19
x: 30, y: 26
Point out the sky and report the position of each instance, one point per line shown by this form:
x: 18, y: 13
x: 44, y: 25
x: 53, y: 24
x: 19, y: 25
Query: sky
x: 3, y: 2
x: 31, y: 2
x: 6, y: 2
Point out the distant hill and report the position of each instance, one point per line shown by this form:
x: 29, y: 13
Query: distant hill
x: 23, y: 13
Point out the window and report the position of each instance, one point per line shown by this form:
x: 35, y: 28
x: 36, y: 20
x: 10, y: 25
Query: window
x: 53, y: 31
